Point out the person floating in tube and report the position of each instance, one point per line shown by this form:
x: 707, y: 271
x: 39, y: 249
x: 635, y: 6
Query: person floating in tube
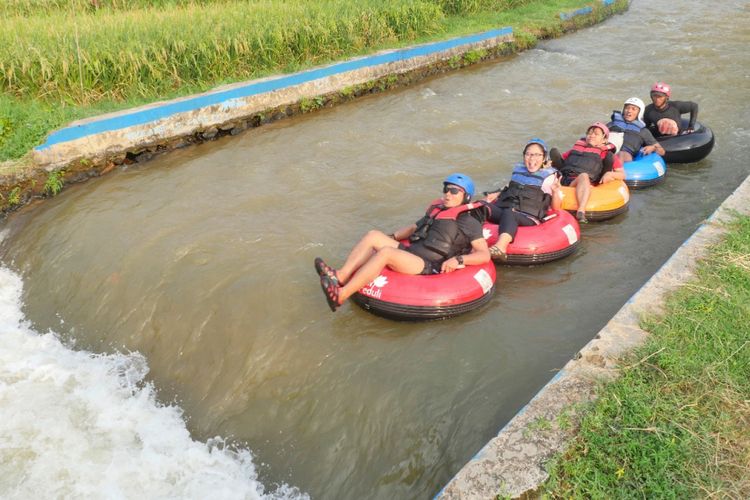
x: 534, y: 187
x: 635, y: 137
x: 589, y: 162
x: 663, y: 117
x: 448, y: 237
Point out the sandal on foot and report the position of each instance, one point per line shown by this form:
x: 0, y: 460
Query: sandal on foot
x: 498, y: 254
x: 331, y: 290
x: 324, y: 269
x: 581, y: 216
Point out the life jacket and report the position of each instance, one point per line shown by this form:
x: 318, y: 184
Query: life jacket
x: 619, y: 124
x: 524, y: 192
x: 586, y: 159
x: 631, y: 137
x: 438, y: 230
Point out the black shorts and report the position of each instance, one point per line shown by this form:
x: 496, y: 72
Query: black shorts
x: 567, y: 179
x: 430, y: 266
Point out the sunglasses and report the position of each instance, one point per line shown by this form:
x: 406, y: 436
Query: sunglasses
x: 452, y: 190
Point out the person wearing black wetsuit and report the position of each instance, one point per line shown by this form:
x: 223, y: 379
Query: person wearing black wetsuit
x: 664, y: 117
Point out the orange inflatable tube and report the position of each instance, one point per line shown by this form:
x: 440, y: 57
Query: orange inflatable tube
x: 606, y: 201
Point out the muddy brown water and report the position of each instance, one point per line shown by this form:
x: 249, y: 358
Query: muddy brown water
x: 202, y: 259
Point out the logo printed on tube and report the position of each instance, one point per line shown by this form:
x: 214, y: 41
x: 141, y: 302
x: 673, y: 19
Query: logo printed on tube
x: 374, y: 288
x: 624, y: 192
x: 659, y: 168
x: 484, y: 280
x: 570, y: 232
x: 486, y: 233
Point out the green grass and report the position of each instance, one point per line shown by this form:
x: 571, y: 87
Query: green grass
x: 676, y: 424
x: 62, y: 60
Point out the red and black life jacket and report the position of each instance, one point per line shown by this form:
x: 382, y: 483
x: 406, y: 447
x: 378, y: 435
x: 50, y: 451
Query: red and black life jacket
x: 439, y: 232
x: 585, y: 159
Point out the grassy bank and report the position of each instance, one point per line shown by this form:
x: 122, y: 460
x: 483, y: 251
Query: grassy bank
x: 62, y: 60
x: 676, y: 424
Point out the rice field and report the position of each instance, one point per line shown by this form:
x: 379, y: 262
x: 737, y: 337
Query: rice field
x: 67, y: 59
x: 117, y: 54
x: 83, y: 51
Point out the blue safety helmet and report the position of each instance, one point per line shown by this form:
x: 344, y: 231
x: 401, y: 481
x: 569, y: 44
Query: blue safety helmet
x: 463, y: 181
x: 540, y: 142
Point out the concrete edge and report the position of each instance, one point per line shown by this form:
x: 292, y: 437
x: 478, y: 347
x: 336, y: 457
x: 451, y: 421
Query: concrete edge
x: 513, y: 463
x: 156, y: 123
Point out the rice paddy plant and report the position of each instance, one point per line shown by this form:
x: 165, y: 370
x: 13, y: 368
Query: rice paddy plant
x: 35, y: 7
x: 146, y: 52
x: 462, y: 7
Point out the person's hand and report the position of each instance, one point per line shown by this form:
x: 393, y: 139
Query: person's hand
x: 555, y: 184
x: 607, y: 177
x: 491, y: 197
x: 648, y: 149
x: 450, y: 265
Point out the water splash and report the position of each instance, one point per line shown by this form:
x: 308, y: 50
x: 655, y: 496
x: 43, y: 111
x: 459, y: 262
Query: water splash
x: 82, y: 425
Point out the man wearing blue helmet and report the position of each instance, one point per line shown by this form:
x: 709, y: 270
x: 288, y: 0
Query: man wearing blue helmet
x: 534, y: 187
x: 448, y: 237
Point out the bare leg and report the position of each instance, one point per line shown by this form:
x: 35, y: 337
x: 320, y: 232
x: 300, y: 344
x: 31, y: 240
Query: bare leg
x: 582, y: 183
x: 503, y: 242
x: 398, y: 260
x: 371, y: 242
x: 625, y: 156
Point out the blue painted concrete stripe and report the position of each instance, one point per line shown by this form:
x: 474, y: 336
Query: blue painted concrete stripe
x: 148, y: 115
x: 580, y: 12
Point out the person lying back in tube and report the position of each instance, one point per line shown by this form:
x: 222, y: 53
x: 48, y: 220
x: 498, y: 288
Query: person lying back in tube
x: 534, y: 187
x: 448, y: 237
x: 632, y: 131
x: 663, y: 117
x: 589, y: 162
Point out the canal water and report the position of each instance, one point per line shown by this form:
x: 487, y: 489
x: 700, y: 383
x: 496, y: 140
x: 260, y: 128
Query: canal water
x: 147, y: 312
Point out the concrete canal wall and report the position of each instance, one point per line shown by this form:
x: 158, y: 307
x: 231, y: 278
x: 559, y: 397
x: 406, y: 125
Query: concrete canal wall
x: 92, y: 147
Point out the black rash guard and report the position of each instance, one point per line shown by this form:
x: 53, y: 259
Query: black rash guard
x: 674, y: 110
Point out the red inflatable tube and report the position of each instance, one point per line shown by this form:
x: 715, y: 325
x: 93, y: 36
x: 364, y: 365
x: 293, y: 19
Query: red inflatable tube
x: 555, y: 238
x: 417, y: 298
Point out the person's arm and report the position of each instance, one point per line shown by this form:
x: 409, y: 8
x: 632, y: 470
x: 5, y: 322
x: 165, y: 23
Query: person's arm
x: 647, y: 116
x: 650, y: 142
x: 688, y: 107
x: 557, y: 195
x: 403, y: 233
x: 480, y: 253
x: 617, y: 172
x: 492, y: 196
x: 551, y: 186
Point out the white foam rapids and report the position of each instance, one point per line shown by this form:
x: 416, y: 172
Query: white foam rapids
x: 79, y: 425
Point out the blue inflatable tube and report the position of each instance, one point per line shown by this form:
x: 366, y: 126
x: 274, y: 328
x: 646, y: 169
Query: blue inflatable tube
x: 645, y: 170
